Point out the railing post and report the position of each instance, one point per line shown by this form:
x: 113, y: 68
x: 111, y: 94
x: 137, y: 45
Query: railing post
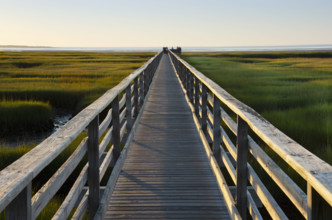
x: 93, y: 169
x: 241, y: 167
x: 185, y: 82
x: 197, y: 97
x: 141, y: 89
x: 191, y: 88
x: 116, y: 128
x: 20, y: 207
x: 216, y: 129
x: 145, y: 78
x: 317, y: 207
x: 149, y: 70
x: 135, y: 97
x: 204, y: 109
x: 128, y: 109
x: 179, y: 70
x: 182, y: 75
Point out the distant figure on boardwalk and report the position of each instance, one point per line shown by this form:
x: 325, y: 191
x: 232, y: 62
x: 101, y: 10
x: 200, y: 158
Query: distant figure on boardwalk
x: 177, y: 51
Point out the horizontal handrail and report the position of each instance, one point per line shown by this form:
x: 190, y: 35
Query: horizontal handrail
x: 315, y: 171
x: 15, y: 178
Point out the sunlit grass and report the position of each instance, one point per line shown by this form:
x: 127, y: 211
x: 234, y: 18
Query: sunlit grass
x: 65, y: 80
x: 292, y: 90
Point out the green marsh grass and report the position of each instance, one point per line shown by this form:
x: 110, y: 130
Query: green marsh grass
x: 24, y: 115
x: 68, y: 81
x: 64, y: 79
x: 292, y: 90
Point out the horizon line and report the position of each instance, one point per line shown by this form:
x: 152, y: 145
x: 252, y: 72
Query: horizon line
x: 283, y: 45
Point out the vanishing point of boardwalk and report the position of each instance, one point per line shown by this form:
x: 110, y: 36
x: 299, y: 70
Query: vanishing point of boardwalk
x: 166, y: 174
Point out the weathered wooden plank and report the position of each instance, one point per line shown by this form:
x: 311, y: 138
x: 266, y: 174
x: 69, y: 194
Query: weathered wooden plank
x: 116, y: 128
x: 128, y: 109
x: 71, y: 198
x: 286, y: 184
x: 115, y: 173
x: 135, y: 97
x: 168, y: 163
x: 141, y: 89
x: 146, y: 82
x: 252, y: 205
x: 216, y: 170
x: 220, y: 179
x: 81, y: 208
x: 45, y: 194
x: 105, y: 163
x: 216, y: 129
x: 269, y: 202
x: 197, y: 96
x: 241, y: 167
x: 93, y: 168
x: 204, y: 109
x: 317, y: 209
x: 20, y: 207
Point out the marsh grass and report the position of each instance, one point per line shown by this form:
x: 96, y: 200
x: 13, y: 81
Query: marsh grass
x: 68, y: 81
x: 24, y: 115
x: 64, y: 79
x: 292, y: 90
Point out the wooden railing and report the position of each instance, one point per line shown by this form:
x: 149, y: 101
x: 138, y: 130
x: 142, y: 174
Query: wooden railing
x: 16, y: 180
x: 206, y: 98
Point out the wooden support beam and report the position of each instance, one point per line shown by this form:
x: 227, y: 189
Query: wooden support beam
x: 204, y: 109
x: 128, y: 109
x: 188, y: 82
x: 317, y: 207
x: 20, y: 207
x: 116, y: 128
x: 241, y: 167
x: 197, y: 97
x: 146, y: 82
x: 191, y: 88
x: 135, y: 97
x: 93, y: 169
x: 141, y: 89
x: 216, y: 129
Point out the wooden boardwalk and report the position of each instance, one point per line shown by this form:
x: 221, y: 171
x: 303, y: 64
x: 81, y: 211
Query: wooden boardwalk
x: 166, y: 174
x: 166, y: 169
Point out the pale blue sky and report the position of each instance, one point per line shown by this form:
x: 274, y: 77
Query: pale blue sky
x: 154, y: 23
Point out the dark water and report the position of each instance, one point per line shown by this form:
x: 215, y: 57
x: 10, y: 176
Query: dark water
x: 25, y: 139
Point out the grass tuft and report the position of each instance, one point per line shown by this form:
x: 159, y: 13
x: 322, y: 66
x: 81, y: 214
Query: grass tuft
x: 24, y: 115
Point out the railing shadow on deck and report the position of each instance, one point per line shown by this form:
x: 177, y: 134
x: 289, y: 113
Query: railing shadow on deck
x: 206, y: 98
x: 16, y: 180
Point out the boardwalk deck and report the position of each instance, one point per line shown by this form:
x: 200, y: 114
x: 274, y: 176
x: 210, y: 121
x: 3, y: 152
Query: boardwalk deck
x: 166, y: 174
